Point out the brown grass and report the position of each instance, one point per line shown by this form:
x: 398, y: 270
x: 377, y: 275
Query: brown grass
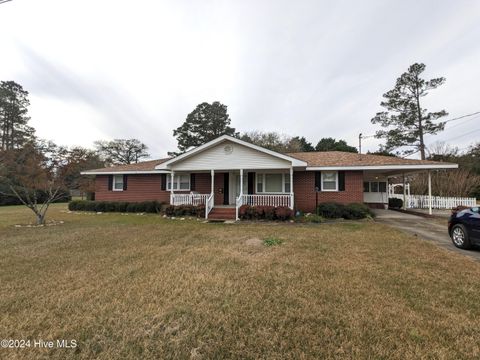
x: 146, y: 287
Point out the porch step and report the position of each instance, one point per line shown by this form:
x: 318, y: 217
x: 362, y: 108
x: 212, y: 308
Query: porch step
x: 219, y: 213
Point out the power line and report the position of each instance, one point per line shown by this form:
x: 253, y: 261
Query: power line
x: 4, y: 1
x: 461, y: 117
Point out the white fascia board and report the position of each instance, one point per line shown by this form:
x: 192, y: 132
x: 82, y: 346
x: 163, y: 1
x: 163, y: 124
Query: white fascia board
x: 123, y: 172
x: 295, y: 162
x: 384, y: 167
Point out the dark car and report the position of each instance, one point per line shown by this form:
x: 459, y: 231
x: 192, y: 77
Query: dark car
x: 464, y: 227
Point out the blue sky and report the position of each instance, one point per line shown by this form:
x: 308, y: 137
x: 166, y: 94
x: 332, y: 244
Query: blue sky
x: 122, y: 69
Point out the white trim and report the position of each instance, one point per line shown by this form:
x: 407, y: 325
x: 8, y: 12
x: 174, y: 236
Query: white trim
x: 176, y: 179
x: 383, y: 167
x: 124, y: 172
x: 295, y: 162
x: 113, y: 182
x: 336, y: 182
x: 263, y: 192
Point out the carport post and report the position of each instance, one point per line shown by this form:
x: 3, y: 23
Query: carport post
x: 429, y: 192
x: 404, y: 194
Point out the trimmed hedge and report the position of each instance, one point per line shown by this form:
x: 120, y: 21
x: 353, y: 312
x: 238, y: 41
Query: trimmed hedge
x: 352, y: 211
x: 395, y: 203
x: 248, y: 212
x: 115, y: 206
x: 185, y: 210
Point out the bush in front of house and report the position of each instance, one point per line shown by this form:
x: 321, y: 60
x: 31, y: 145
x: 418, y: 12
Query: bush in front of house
x: 353, y: 211
x: 185, y: 210
x: 115, y: 206
x: 248, y: 212
x: 357, y: 211
x: 395, y: 203
x: 330, y: 210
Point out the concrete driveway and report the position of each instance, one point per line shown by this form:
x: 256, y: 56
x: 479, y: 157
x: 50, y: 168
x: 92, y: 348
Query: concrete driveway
x: 424, y: 228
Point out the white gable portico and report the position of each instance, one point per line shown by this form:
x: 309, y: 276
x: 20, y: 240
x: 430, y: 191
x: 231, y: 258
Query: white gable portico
x: 252, y: 175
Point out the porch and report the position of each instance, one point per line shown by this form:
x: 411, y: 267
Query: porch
x: 232, y: 188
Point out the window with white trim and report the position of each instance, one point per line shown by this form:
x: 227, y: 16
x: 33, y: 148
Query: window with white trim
x: 273, y: 183
x: 180, y: 182
x: 117, y: 183
x: 329, y: 180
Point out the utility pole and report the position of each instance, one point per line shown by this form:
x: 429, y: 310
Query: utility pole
x: 360, y: 146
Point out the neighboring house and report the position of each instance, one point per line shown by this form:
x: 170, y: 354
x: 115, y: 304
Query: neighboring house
x: 228, y: 172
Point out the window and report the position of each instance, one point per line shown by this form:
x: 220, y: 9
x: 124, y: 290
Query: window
x: 329, y: 181
x: 366, y: 186
x: 117, y: 183
x: 374, y: 186
x: 273, y: 183
x: 180, y: 182
x: 382, y: 186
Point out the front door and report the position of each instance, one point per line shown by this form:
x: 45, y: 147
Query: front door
x: 226, y: 187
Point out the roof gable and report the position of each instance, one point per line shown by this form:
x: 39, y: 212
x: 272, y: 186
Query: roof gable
x: 238, y: 154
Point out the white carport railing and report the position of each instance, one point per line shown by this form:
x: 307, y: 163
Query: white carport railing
x: 438, y: 202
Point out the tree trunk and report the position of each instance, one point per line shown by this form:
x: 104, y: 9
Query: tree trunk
x: 40, y: 219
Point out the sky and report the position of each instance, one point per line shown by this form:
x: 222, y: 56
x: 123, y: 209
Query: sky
x: 135, y: 69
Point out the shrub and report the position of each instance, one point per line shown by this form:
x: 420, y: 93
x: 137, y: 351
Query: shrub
x: 268, y: 212
x: 330, y: 210
x: 121, y: 206
x: 395, y: 203
x: 283, y: 213
x: 357, y: 211
x: 170, y: 210
x: 131, y: 208
x: 99, y: 206
x: 245, y: 212
x: 200, y: 211
x: 90, y: 206
x: 110, y: 206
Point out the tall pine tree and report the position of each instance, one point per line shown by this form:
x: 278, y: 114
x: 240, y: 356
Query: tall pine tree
x: 14, y: 129
x: 406, y: 120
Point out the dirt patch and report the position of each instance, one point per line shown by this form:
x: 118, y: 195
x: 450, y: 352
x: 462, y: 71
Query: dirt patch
x: 254, y: 242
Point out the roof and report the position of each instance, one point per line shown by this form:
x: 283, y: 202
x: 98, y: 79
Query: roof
x: 294, y: 161
x: 143, y: 167
x: 340, y: 159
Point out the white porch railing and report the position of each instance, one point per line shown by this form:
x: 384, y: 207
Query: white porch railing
x: 268, y: 200
x: 238, y: 204
x: 188, y: 199
x: 209, y: 205
x: 438, y: 202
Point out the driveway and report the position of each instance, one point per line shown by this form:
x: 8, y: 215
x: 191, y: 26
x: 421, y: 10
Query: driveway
x: 424, y: 228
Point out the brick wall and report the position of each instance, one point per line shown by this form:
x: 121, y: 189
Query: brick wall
x: 304, y: 190
x: 148, y: 187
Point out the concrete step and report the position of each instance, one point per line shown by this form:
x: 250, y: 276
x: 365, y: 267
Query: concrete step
x: 222, y: 214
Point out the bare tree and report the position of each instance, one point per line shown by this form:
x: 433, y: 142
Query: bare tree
x: 459, y: 182
x: 122, y: 151
x: 23, y: 174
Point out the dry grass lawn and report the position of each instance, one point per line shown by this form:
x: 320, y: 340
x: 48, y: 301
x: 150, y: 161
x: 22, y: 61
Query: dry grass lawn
x: 147, y: 287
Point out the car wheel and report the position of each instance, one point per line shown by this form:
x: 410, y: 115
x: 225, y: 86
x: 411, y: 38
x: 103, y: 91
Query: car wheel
x: 459, y: 237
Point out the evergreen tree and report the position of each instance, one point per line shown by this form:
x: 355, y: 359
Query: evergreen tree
x: 406, y: 121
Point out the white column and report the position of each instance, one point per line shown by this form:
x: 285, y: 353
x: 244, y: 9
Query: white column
x: 171, y: 187
x: 213, y: 176
x: 404, y: 193
x: 429, y: 192
x: 291, y: 188
x: 241, y: 182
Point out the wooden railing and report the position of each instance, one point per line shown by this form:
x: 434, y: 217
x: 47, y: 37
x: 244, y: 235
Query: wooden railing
x: 188, y: 199
x: 209, y: 205
x: 268, y: 200
x: 438, y: 202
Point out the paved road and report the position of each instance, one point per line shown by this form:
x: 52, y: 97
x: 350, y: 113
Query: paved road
x: 424, y: 228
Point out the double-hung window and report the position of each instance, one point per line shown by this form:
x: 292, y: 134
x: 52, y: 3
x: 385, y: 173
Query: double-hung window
x: 273, y: 183
x: 117, y: 183
x: 180, y: 182
x: 329, y: 181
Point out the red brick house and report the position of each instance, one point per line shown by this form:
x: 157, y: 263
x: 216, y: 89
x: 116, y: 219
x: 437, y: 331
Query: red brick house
x: 228, y: 172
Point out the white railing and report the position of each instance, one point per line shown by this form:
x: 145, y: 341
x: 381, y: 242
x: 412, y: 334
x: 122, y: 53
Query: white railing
x: 188, y: 199
x: 209, y: 205
x: 268, y: 200
x: 438, y: 202
x: 238, y: 203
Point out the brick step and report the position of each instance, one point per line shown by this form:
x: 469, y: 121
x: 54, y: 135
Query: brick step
x: 222, y: 214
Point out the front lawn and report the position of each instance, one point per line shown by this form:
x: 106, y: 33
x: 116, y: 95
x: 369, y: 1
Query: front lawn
x: 130, y: 286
